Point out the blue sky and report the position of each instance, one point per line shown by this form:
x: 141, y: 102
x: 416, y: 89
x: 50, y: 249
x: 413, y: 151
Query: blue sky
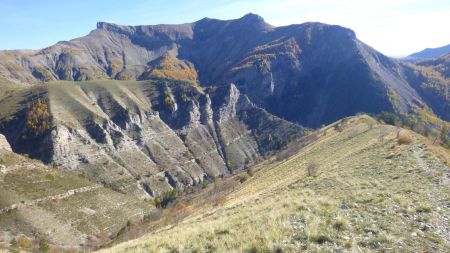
x: 395, y: 27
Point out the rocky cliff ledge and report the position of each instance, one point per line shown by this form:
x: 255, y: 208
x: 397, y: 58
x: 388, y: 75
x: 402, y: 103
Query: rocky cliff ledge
x: 4, y: 143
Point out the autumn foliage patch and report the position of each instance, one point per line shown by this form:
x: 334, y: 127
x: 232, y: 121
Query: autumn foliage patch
x: 38, y: 119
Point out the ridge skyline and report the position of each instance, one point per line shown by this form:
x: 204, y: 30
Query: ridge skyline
x: 376, y: 23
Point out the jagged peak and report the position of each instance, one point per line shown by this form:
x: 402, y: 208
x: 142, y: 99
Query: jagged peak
x: 112, y: 27
x: 253, y: 20
x: 252, y: 17
x: 104, y: 25
x: 248, y: 20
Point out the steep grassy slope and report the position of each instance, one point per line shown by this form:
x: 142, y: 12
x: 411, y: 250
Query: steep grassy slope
x: 370, y: 193
x: 48, y: 203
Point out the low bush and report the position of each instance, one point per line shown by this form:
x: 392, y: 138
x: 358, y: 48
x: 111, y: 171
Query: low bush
x: 167, y: 197
x: 25, y: 243
x: 404, y: 139
x: 340, y: 223
x: 338, y: 127
x: 43, y: 246
x: 168, y: 101
x: 320, y: 238
x: 313, y: 169
x: 423, y: 209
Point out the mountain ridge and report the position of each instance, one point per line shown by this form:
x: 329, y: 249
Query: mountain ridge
x: 429, y: 53
x: 274, y: 66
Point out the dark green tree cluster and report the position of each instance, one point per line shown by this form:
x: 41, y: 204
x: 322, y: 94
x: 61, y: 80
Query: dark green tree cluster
x: 167, y: 197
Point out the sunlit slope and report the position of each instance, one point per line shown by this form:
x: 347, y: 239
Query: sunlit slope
x: 370, y: 194
x: 37, y: 200
x: 180, y: 134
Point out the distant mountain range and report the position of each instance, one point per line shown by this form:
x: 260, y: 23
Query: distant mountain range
x: 429, y: 53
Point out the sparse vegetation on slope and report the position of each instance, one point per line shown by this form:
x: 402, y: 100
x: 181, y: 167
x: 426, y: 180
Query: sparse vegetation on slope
x: 369, y: 195
x: 45, y: 207
x: 172, y: 68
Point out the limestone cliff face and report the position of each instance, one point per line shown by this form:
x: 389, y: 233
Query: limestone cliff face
x: 147, y: 137
x: 4, y: 143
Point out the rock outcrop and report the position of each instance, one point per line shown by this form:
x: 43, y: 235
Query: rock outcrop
x: 4, y: 144
x: 148, y: 137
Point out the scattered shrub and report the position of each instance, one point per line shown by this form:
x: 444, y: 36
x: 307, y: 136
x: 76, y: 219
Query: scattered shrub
x: 167, y: 197
x: 423, y: 209
x: 231, y: 166
x: 443, y: 135
x: 389, y: 118
x: 320, y: 238
x: 184, y: 97
x: 43, y: 246
x: 418, y: 124
x: 313, y: 169
x: 25, y: 243
x: 340, y: 223
x: 50, y: 177
x: 168, y: 101
x: 338, y: 127
x: 404, y: 139
x: 278, y: 249
x: 242, y: 179
x: 258, y: 248
x: 250, y: 172
x: 188, y: 155
x: 270, y: 138
x: 38, y: 119
x: 222, y: 232
x: 409, y: 122
x: 14, y: 243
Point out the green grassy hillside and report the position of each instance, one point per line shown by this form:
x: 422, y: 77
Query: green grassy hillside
x: 360, y: 187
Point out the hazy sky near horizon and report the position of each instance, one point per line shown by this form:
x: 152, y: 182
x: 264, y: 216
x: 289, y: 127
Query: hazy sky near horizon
x: 394, y: 27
